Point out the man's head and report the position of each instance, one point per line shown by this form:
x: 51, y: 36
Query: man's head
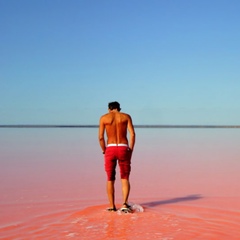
x: 114, y: 105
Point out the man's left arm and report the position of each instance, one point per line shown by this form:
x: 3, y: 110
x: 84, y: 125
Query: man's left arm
x: 101, y: 135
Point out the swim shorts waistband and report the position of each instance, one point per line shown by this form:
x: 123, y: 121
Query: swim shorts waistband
x: 119, y: 145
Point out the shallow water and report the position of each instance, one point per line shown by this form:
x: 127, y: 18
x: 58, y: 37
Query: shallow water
x: 53, y: 185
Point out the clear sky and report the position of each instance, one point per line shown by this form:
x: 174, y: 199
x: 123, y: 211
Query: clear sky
x: 165, y: 61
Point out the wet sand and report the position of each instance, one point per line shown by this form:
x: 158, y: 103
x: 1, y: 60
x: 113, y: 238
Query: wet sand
x: 53, y: 186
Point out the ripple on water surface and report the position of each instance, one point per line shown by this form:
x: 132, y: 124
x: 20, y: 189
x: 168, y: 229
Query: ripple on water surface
x: 165, y: 222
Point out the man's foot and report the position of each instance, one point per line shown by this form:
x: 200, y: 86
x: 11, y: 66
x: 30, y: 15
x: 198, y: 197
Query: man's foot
x: 126, y: 208
x: 112, y: 209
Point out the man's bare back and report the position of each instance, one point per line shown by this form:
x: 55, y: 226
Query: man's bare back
x: 116, y: 125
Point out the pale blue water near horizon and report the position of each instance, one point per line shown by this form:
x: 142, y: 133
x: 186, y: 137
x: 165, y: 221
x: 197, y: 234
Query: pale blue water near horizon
x: 53, y: 184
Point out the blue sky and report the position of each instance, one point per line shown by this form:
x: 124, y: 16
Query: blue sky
x: 165, y: 61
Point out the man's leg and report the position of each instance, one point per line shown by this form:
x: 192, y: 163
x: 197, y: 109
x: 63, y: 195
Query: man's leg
x: 125, y: 169
x: 111, y: 193
x: 125, y: 189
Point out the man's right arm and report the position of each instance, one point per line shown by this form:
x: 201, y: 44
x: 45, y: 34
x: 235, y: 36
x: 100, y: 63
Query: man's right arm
x: 132, y: 134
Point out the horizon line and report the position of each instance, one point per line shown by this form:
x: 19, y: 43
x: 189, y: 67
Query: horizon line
x: 96, y: 126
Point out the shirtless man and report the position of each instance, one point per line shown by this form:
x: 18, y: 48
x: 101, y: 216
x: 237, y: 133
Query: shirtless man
x: 116, y: 125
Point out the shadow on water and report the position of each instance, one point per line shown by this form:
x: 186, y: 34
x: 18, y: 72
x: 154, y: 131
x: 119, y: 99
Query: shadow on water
x: 173, y: 200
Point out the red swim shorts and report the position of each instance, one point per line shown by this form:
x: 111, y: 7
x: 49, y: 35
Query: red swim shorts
x: 122, y: 154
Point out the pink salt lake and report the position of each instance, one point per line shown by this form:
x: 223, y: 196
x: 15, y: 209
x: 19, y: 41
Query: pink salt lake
x: 52, y: 185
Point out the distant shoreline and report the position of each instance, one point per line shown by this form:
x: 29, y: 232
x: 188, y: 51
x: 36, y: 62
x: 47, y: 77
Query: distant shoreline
x: 96, y: 126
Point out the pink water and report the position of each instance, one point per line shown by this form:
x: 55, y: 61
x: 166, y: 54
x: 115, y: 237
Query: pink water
x: 52, y: 185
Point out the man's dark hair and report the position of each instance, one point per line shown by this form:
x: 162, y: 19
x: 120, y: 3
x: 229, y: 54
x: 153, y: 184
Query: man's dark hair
x: 114, y: 105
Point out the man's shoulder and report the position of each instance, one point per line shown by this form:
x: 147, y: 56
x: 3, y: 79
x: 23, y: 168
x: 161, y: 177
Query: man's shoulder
x: 109, y: 116
x: 103, y: 116
x: 125, y: 114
